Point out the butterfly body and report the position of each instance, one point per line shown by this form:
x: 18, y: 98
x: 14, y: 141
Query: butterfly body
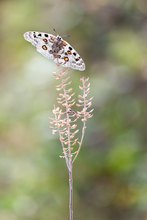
x: 55, y: 48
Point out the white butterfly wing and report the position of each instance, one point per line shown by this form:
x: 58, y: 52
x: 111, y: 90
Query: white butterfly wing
x: 42, y: 42
x: 36, y: 39
x: 75, y: 61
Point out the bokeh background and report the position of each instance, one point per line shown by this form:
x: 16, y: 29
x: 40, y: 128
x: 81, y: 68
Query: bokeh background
x: 110, y: 174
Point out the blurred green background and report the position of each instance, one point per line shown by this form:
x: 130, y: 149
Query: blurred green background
x: 110, y: 174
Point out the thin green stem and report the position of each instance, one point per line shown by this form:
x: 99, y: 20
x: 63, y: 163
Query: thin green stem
x: 69, y: 161
x: 81, y: 141
x: 70, y: 191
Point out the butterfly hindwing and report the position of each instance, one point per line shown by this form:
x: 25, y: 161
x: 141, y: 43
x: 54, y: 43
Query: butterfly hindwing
x: 55, y: 48
x: 75, y: 61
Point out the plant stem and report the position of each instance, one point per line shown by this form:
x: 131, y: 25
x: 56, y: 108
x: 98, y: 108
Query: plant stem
x: 81, y: 141
x: 70, y: 190
x: 70, y: 166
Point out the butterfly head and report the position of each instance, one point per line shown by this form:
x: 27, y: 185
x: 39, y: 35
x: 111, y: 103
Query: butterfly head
x: 59, y: 38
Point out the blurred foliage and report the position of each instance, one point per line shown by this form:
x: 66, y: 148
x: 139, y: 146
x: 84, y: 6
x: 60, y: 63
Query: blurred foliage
x: 110, y: 180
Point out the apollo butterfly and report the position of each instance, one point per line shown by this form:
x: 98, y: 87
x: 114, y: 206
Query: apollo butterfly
x: 55, y: 48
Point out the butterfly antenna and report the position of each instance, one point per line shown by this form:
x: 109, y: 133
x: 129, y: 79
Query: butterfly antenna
x: 55, y: 30
x: 66, y: 36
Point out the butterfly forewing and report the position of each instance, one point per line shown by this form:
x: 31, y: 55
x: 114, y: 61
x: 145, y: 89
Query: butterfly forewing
x: 55, y: 48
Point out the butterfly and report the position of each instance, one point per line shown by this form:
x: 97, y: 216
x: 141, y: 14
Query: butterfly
x: 55, y: 48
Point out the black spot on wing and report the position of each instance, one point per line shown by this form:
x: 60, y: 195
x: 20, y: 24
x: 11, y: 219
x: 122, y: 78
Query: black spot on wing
x: 34, y: 34
x: 77, y: 59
